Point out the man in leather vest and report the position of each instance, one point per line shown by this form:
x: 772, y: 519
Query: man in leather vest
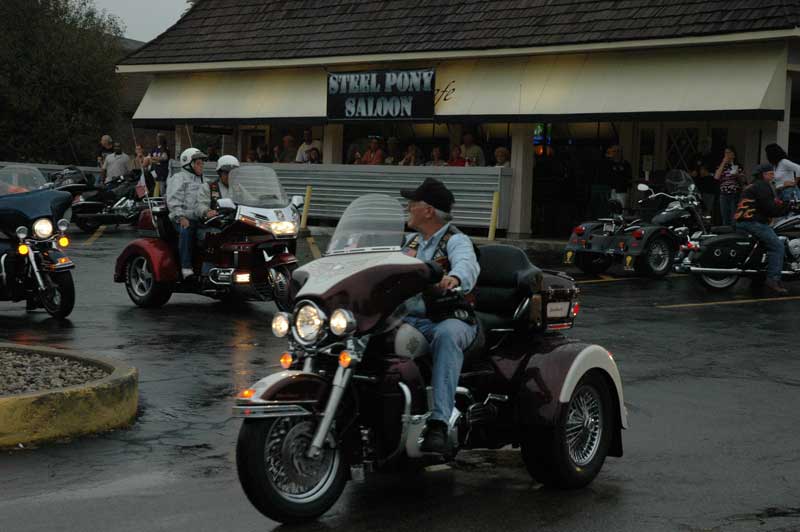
x: 450, y: 329
x: 211, y: 192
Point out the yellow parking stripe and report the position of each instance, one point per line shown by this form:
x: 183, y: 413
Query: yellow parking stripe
x: 312, y: 245
x: 731, y: 302
x: 95, y: 236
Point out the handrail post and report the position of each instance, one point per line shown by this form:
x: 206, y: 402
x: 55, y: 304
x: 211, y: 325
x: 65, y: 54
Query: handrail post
x: 495, y: 213
x: 306, y: 206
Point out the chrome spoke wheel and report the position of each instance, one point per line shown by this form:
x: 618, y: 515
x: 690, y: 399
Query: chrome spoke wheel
x: 141, y: 278
x: 295, y: 476
x: 719, y: 281
x: 658, y: 255
x: 584, y: 426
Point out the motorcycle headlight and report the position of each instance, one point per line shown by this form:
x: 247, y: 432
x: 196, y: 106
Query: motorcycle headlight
x: 282, y: 228
x: 342, y: 322
x: 308, y: 323
x: 43, y: 228
x: 281, y: 324
x: 22, y: 232
x: 63, y: 225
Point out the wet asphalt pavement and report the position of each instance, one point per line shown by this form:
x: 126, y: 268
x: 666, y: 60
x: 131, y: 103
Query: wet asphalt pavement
x: 712, y: 394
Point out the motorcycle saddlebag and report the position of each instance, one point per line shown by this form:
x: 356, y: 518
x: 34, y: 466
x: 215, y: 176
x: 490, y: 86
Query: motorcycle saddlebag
x: 725, y: 251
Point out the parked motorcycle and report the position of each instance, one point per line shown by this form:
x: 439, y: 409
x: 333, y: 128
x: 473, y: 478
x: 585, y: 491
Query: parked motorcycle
x: 648, y: 247
x: 33, y: 266
x: 244, y: 253
x: 354, y: 395
x: 118, y: 202
x: 718, y: 261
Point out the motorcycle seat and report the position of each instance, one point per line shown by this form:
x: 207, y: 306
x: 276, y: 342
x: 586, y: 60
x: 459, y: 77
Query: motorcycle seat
x: 507, y: 278
x: 724, y: 230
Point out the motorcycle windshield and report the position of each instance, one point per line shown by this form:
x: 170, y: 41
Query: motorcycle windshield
x: 17, y: 179
x: 374, y: 222
x: 256, y: 186
x: 678, y: 182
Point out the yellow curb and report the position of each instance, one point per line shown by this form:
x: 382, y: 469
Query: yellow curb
x: 89, y: 408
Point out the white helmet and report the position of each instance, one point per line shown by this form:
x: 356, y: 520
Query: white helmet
x: 226, y: 163
x: 190, y: 155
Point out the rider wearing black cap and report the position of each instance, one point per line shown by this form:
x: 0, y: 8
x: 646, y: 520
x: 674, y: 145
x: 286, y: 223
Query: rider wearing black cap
x: 447, y: 321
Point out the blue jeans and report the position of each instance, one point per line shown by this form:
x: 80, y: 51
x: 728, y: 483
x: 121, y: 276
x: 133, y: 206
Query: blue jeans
x: 727, y: 207
x: 186, y: 237
x: 775, y: 248
x: 448, y: 339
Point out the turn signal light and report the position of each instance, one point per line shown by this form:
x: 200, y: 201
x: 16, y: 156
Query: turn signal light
x: 345, y: 359
x: 247, y: 394
x: 23, y: 249
x: 579, y: 230
x: 286, y: 360
x: 63, y: 260
x: 638, y: 234
x: 63, y: 242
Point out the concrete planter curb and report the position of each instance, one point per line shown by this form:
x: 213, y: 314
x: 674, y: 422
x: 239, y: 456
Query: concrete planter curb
x: 89, y: 408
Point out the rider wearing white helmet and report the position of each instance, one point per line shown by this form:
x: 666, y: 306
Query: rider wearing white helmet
x: 212, y: 191
x: 183, y: 189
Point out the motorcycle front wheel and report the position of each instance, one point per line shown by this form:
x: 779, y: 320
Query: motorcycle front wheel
x: 277, y: 477
x: 59, y: 297
x: 283, y: 291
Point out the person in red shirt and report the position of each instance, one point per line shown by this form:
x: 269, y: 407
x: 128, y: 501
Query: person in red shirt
x: 373, y: 154
x: 455, y: 157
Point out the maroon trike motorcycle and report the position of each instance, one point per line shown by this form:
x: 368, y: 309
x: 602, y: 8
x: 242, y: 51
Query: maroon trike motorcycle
x: 246, y: 253
x: 355, y: 394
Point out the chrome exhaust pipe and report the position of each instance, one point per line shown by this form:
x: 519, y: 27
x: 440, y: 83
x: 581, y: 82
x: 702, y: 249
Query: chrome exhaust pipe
x: 721, y: 271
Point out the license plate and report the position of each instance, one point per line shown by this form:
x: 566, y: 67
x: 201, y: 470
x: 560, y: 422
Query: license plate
x: 568, y: 257
x: 558, y: 310
x: 608, y: 228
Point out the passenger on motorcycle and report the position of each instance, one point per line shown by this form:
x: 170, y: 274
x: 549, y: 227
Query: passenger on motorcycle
x: 449, y: 330
x: 757, y: 206
x: 183, y: 191
x: 212, y: 192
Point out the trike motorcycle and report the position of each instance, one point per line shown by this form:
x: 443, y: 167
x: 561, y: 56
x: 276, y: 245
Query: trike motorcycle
x: 354, y: 395
x: 33, y: 266
x: 246, y: 253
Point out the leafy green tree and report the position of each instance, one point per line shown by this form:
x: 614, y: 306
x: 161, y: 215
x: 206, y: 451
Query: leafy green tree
x: 58, y: 86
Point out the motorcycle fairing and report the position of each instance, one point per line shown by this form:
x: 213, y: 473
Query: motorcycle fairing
x: 370, y: 285
x: 22, y: 209
x: 269, y: 214
x: 165, y: 267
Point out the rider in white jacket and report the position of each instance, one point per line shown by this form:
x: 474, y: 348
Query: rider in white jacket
x: 211, y: 192
x: 183, y: 191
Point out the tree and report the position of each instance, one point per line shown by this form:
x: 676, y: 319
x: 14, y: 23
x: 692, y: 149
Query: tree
x: 58, y: 86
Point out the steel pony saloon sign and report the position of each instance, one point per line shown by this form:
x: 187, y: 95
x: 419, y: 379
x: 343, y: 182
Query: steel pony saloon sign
x: 382, y: 95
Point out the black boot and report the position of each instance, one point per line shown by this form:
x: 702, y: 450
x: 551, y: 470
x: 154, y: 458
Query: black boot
x: 776, y: 287
x: 435, y: 439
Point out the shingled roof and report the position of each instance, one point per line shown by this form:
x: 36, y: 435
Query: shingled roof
x: 237, y: 30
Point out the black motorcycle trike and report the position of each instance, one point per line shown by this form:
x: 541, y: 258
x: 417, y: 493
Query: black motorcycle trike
x: 33, y: 266
x: 651, y: 247
x: 355, y: 394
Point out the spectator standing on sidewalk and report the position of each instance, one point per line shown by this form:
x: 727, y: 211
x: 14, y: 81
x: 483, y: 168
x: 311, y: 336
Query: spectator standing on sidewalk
x: 308, y: 143
x: 104, y: 149
x: 786, y: 173
x: 730, y: 177
x: 471, y: 151
x: 117, y: 163
x: 436, y: 158
x: 159, y: 160
x: 287, y: 152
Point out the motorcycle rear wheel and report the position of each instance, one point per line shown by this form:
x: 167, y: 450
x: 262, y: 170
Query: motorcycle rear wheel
x: 87, y: 225
x: 656, y: 259
x: 276, y: 476
x: 59, y: 299
x: 571, y: 454
x: 716, y: 282
x: 142, y: 287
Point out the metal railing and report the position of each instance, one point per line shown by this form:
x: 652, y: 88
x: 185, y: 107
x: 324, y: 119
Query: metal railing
x: 337, y: 185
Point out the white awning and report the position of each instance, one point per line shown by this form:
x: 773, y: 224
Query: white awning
x: 678, y: 80
x: 235, y: 96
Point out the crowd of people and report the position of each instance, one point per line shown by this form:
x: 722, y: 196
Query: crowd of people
x: 152, y: 164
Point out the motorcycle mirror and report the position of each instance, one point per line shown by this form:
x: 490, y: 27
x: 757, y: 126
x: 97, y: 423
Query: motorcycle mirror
x: 691, y: 188
x: 641, y: 187
x: 298, y: 201
x: 226, y: 204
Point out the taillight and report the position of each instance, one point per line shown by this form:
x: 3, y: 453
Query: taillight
x: 576, y: 307
x: 638, y: 234
x: 580, y: 230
